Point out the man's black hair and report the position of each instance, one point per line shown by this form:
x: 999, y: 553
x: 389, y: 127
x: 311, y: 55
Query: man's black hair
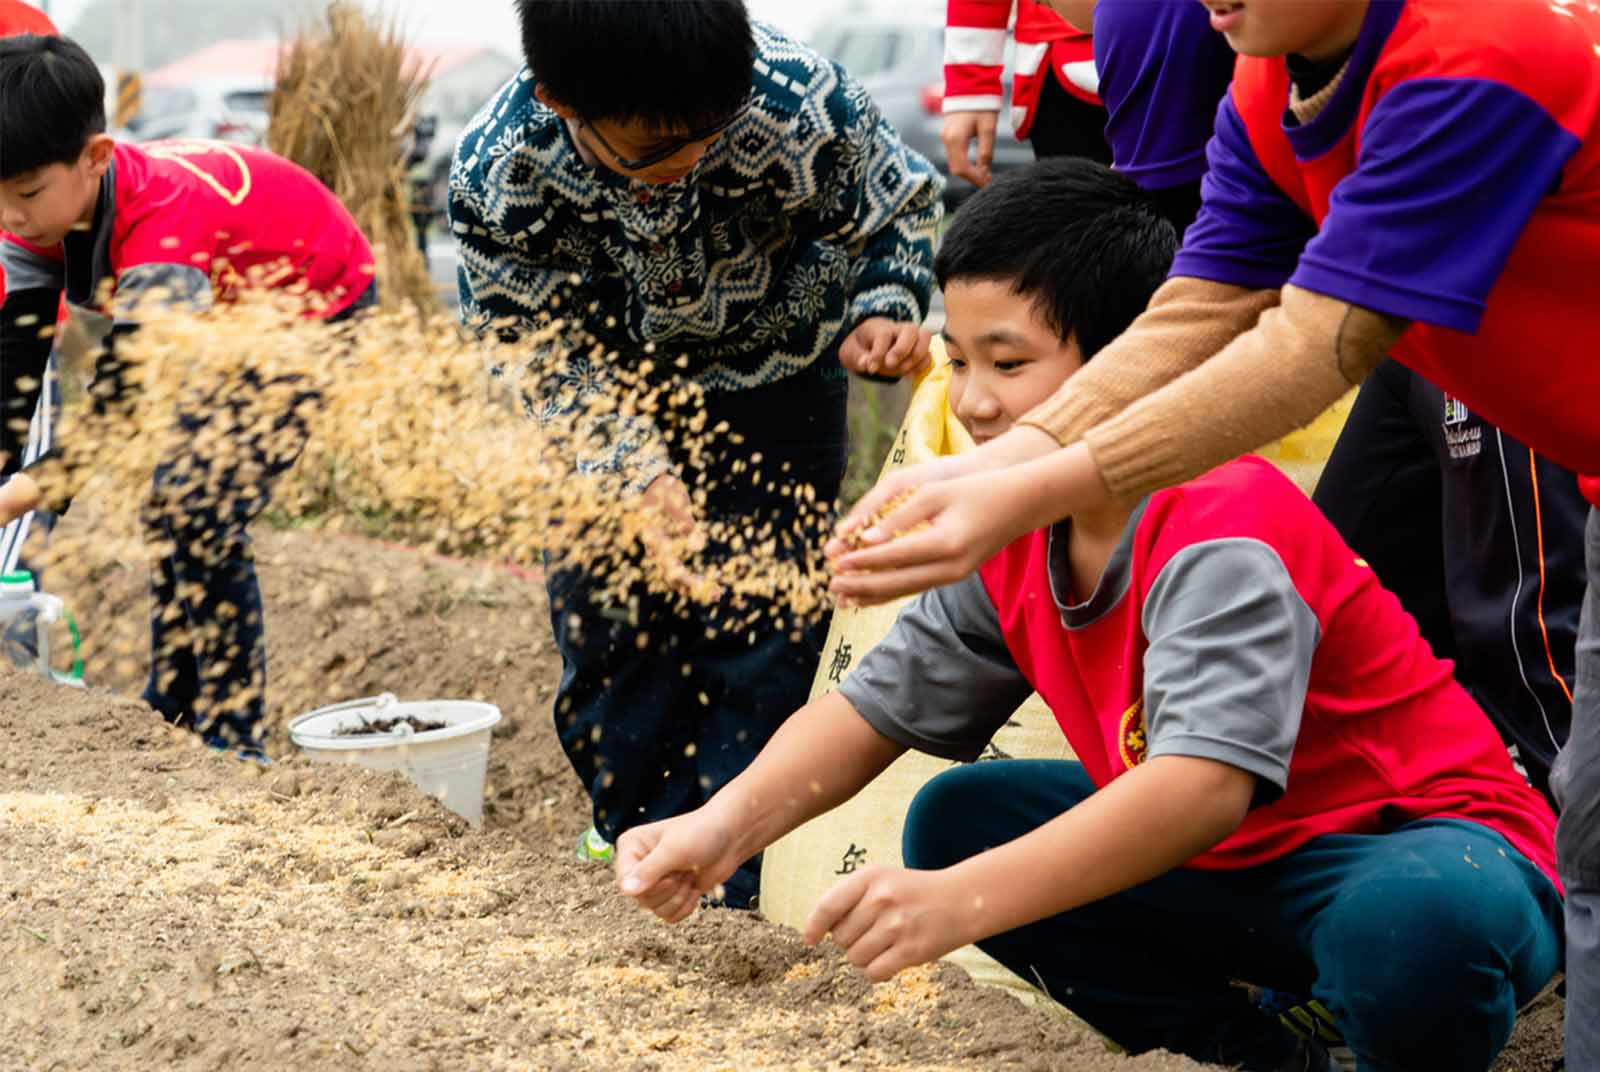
x: 680, y: 65
x: 1086, y: 244
x: 52, y: 100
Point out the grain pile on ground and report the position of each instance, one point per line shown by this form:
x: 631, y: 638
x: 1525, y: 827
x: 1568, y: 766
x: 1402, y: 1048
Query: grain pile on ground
x: 164, y: 907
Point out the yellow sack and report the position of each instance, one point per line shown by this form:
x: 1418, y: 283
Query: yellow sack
x: 1302, y: 454
x: 797, y: 870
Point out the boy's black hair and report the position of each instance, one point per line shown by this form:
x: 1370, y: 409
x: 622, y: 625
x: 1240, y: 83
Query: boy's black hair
x: 1086, y: 244
x: 52, y: 101
x: 680, y: 65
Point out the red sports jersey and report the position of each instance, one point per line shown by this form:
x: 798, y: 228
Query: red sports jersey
x: 1385, y: 737
x: 214, y: 217
x: 1452, y: 179
x: 975, y: 40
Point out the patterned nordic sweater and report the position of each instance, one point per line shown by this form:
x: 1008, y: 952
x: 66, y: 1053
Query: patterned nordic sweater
x: 806, y: 217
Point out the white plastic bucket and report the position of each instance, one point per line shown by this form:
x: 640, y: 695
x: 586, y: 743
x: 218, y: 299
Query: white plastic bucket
x: 450, y: 764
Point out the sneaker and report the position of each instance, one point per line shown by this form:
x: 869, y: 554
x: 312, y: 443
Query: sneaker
x: 1322, y: 1042
x: 594, y: 849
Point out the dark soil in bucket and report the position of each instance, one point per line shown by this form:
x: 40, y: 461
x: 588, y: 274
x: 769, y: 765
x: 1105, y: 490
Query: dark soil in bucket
x: 389, y: 725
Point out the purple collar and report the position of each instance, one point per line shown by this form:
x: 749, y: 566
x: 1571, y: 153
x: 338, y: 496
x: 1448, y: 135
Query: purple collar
x: 1315, y: 138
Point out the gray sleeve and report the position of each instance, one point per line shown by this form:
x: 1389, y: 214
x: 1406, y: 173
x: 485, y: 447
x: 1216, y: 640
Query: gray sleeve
x: 178, y: 287
x: 1231, y: 643
x: 942, y: 681
x: 23, y: 269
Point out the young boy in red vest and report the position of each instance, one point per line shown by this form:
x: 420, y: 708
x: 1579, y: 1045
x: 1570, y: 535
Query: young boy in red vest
x: 1278, y: 784
x: 1419, y: 178
x: 124, y: 232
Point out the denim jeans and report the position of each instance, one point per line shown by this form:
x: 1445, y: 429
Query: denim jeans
x: 1422, y: 941
x: 208, y: 655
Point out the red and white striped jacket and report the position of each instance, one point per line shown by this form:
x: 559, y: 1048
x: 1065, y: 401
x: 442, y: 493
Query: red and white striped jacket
x: 974, y: 56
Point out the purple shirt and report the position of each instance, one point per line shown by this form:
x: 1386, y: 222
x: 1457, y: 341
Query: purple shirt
x: 1162, y: 72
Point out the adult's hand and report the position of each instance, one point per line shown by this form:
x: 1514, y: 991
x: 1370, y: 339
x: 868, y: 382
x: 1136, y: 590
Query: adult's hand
x: 935, y: 523
x: 959, y: 131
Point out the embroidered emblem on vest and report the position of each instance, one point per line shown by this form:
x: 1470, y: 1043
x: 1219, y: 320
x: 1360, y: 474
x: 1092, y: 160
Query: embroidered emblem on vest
x: 1462, y: 435
x: 1131, y: 740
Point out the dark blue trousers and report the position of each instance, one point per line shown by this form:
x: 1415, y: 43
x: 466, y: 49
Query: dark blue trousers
x: 208, y: 654
x: 654, y: 727
x: 1422, y: 942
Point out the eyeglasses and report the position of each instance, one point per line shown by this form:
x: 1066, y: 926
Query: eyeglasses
x: 677, y: 145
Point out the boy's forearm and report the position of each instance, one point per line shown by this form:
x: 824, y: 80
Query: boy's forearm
x: 822, y: 756
x: 1156, y: 817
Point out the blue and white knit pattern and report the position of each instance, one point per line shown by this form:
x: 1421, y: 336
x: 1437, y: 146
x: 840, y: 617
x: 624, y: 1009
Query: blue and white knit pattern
x: 806, y: 217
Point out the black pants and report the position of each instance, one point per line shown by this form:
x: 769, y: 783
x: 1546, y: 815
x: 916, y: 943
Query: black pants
x: 208, y: 653
x: 659, y: 707
x: 1480, y: 538
x: 1064, y: 125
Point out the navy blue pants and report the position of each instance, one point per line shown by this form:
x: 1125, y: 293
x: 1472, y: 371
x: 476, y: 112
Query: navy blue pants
x: 1422, y: 941
x: 208, y: 654
x: 654, y: 730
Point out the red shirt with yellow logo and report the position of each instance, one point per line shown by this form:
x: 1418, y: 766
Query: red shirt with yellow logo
x: 1231, y: 623
x: 202, y: 220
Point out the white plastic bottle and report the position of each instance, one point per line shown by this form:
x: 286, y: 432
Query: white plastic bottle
x: 19, y: 601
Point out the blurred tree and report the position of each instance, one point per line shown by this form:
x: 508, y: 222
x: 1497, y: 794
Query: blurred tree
x: 175, y: 28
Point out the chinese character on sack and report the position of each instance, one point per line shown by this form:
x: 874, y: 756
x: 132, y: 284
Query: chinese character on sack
x: 840, y: 662
x: 853, y: 858
x: 899, y: 455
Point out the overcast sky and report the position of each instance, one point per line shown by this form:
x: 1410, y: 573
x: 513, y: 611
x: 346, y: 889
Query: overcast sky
x: 494, y: 21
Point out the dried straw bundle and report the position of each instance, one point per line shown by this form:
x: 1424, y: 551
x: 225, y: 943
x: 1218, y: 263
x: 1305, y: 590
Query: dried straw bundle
x: 343, y: 108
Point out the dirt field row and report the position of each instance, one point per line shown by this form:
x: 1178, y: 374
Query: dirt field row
x: 162, y: 906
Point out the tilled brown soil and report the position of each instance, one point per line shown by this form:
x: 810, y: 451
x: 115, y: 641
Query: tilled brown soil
x: 162, y: 906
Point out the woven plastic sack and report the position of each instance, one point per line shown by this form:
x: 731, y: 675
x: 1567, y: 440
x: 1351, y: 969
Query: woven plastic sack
x: 1302, y: 454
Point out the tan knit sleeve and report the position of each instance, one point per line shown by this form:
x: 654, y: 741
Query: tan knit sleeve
x: 1277, y: 377
x: 1188, y: 321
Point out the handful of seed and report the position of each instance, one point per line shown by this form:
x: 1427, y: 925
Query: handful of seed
x: 854, y: 539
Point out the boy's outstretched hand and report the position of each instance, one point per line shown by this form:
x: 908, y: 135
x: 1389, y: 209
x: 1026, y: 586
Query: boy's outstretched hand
x: 667, y: 866
x: 890, y: 918
x: 889, y: 348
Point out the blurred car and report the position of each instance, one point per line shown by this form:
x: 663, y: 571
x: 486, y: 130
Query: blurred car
x: 899, y: 59
x: 217, y: 109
